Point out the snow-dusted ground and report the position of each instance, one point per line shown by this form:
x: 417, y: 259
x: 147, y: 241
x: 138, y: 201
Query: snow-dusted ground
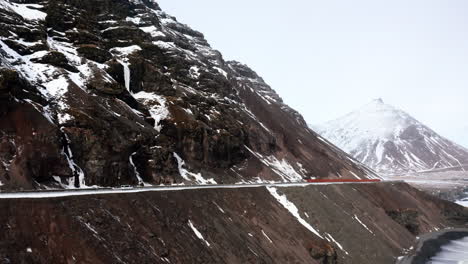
x: 101, y: 191
x: 447, y: 184
x: 456, y: 252
x: 436, y: 179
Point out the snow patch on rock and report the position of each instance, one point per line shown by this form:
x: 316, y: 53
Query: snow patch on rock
x: 281, y: 167
x: 190, y: 176
x: 157, y: 106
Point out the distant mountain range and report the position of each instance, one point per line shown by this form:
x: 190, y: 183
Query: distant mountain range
x: 390, y: 141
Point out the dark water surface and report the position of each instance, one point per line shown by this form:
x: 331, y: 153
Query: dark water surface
x: 444, y: 247
x: 454, y: 252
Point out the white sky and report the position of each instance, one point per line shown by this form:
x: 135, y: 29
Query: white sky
x: 328, y: 57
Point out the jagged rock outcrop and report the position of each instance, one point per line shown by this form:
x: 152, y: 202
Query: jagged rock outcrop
x: 128, y: 95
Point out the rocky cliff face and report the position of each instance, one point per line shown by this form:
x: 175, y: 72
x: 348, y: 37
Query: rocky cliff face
x: 390, y: 141
x: 113, y: 92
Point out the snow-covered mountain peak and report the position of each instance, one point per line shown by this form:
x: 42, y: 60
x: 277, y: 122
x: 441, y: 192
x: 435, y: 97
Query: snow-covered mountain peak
x: 378, y: 105
x: 375, y: 120
x: 379, y: 100
x: 389, y: 140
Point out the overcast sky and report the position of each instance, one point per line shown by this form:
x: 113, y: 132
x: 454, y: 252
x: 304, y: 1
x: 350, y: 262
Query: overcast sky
x: 326, y: 58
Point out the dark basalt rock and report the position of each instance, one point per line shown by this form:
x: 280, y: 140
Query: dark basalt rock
x: 83, y: 37
x: 57, y: 59
x: 105, y: 86
x: 8, y: 79
x: 30, y: 34
x: 40, y: 140
x: 94, y: 53
x: 124, y: 34
x: 145, y: 77
x: 23, y: 50
x: 12, y: 85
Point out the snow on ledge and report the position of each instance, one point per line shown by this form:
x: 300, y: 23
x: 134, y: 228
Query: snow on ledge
x: 125, y: 51
x: 157, y: 106
x: 281, y: 167
x: 190, y: 176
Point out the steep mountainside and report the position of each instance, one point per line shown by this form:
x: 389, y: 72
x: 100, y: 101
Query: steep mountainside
x: 390, y: 141
x: 327, y: 224
x: 116, y: 92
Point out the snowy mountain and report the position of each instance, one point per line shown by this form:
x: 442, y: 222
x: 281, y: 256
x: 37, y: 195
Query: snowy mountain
x: 390, y: 141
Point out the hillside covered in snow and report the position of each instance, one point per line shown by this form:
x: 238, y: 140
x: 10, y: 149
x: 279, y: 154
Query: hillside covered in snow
x: 390, y: 141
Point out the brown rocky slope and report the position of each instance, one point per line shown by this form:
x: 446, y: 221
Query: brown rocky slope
x: 372, y: 223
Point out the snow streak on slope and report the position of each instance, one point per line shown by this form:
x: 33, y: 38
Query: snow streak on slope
x: 390, y: 141
x: 283, y: 200
x: 190, y: 176
x: 197, y: 233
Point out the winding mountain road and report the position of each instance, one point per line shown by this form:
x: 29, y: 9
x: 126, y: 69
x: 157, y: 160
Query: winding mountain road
x: 99, y: 191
